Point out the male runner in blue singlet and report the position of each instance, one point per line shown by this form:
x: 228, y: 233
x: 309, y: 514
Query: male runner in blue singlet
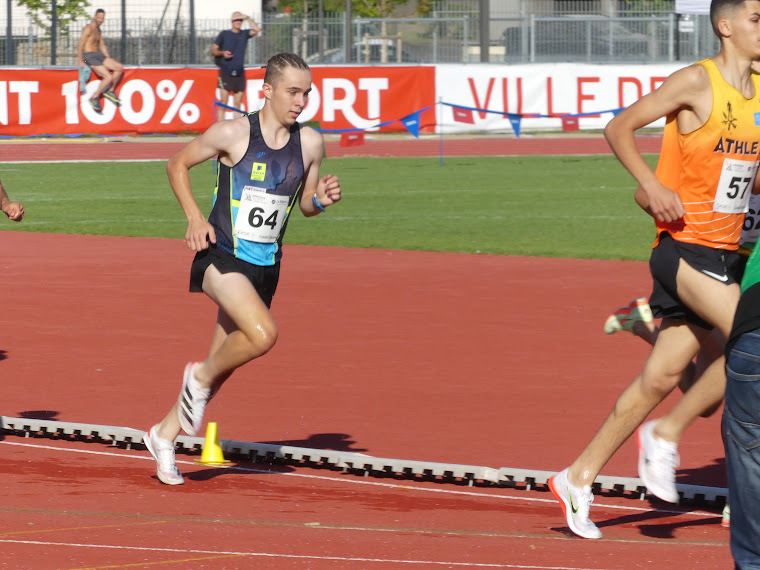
x: 267, y: 163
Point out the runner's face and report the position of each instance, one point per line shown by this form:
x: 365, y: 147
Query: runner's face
x: 99, y: 18
x: 290, y: 95
x: 745, y: 25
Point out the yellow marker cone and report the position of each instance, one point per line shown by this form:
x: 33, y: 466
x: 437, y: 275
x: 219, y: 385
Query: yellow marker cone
x: 212, y: 448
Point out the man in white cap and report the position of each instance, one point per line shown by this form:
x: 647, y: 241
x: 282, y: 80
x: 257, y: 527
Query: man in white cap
x: 229, y: 54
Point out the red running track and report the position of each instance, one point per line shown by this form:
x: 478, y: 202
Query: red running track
x: 485, y: 360
x: 141, y: 149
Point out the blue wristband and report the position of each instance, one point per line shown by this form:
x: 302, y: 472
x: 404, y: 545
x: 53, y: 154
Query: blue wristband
x: 316, y: 202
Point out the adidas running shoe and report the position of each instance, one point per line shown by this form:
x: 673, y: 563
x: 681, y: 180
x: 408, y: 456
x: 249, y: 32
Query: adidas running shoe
x: 192, y: 402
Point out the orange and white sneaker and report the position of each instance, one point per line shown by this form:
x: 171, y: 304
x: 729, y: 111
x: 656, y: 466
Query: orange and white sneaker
x: 626, y: 317
x: 725, y: 522
x: 575, y: 504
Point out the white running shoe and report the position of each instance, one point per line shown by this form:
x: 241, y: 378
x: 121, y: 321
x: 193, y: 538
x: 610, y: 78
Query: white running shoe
x: 725, y: 521
x: 658, y: 460
x: 575, y: 504
x: 162, y: 451
x: 625, y: 318
x: 192, y: 402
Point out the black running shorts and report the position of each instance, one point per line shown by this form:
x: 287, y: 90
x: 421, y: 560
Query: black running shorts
x: 233, y: 84
x: 264, y: 278
x: 723, y: 266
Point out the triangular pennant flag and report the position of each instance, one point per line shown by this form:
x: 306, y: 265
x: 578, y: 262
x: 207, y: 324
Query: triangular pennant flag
x: 412, y: 123
x: 352, y: 139
x: 463, y: 115
x: 515, y: 119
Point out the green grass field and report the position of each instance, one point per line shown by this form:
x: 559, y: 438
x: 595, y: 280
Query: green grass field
x: 567, y: 206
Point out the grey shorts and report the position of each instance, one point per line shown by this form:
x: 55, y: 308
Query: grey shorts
x: 93, y: 58
x: 723, y: 266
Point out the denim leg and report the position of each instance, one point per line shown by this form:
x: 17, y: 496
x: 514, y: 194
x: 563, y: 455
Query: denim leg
x: 741, y: 438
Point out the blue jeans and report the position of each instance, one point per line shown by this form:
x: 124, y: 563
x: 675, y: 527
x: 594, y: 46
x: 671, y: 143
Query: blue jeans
x: 741, y: 438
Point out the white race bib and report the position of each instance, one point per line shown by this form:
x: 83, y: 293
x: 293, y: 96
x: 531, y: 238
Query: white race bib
x: 734, y: 186
x: 751, y: 228
x: 260, y: 215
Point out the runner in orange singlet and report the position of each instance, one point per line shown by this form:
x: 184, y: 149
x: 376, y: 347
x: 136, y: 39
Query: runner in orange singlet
x: 715, y: 106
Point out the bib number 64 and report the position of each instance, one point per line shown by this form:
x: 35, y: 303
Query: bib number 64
x: 260, y: 216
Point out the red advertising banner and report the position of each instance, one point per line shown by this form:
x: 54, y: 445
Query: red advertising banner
x: 48, y: 102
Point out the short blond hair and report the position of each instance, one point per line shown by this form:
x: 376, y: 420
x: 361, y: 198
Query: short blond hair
x: 277, y: 64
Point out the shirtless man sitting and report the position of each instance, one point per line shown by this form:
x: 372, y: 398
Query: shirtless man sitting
x: 93, y: 52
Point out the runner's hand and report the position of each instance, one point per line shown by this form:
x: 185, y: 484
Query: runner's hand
x: 14, y: 211
x: 328, y: 190
x: 199, y: 234
x: 662, y: 203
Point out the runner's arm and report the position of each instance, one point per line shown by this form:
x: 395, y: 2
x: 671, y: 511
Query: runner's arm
x: 215, y: 141
x: 680, y: 92
x: 325, y: 190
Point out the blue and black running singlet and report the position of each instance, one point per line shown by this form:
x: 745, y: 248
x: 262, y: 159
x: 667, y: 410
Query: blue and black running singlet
x: 253, y: 199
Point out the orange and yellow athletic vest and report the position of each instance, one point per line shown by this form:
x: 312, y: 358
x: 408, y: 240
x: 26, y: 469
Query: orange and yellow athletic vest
x: 715, y: 167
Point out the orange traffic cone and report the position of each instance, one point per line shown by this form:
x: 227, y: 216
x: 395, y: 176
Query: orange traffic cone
x: 212, y: 448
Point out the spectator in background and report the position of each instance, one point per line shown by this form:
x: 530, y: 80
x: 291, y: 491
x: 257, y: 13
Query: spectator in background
x: 229, y: 54
x: 13, y: 210
x: 92, y: 51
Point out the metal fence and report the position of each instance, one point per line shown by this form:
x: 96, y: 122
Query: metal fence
x: 586, y: 31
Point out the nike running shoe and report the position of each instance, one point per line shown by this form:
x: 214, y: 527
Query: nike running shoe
x: 96, y: 105
x: 111, y: 96
x: 162, y: 451
x: 726, y: 520
x: 192, y: 402
x: 626, y: 317
x: 575, y: 504
x: 658, y: 460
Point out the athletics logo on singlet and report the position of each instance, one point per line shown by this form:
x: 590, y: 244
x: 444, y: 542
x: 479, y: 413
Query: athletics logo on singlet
x: 259, y: 171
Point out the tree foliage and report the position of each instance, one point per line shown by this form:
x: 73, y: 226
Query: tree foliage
x: 365, y: 8
x: 41, y: 12
x: 376, y: 8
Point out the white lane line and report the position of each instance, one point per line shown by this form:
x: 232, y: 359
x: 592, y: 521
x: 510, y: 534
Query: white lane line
x: 294, y: 556
x: 360, y: 481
